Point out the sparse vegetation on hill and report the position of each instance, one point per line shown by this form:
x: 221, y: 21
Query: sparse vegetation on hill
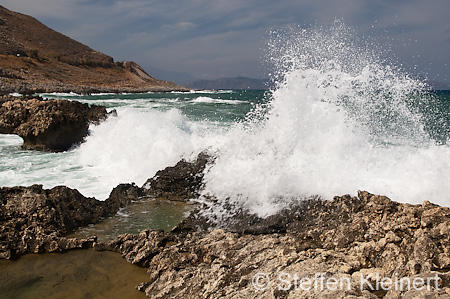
x: 35, y: 58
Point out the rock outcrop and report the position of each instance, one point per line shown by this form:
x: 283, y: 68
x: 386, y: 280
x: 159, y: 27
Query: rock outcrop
x: 350, y: 247
x: 35, y: 220
x: 53, y: 125
x: 363, y: 243
x: 180, y: 182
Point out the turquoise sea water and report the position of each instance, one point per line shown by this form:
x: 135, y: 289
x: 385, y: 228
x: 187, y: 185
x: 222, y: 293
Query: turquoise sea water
x: 155, y: 130
x: 151, y: 131
x: 341, y: 119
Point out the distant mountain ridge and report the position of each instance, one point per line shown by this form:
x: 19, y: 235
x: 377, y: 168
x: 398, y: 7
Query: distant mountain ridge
x: 35, y: 58
x: 180, y: 78
x: 242, y: 83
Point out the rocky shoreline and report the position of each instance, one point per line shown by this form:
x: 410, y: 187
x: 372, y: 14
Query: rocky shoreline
x: 355, y: 241
x: 32, y: 87
x: 350, y: 240
x: 349, y: 247
x: 10, y: 84
x: 50, y: 125
x: 35, y: 220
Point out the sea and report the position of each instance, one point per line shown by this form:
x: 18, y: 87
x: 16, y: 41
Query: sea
x: 342, y: 116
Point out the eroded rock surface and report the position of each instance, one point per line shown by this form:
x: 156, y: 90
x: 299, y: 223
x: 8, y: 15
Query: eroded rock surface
x: 348, y: 239
x: 35, y: 220
x: 350, y: 247
x: 53, y: 125
x: 182, y: 181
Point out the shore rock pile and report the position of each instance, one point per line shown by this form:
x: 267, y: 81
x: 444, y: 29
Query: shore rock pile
x: 356, y: 241
x: 351, y: 247
x: 35, y: 220
x: 52, y: 125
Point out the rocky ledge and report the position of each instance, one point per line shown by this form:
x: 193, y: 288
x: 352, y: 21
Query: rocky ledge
x: 350, y: 247
x: 52, y: 125
x: 35, y: 220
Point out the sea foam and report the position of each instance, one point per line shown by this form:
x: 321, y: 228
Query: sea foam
x: 340, y: 120
x: 137, y: 143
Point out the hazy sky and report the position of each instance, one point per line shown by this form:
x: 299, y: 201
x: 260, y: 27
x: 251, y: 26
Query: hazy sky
x: 225, y: 38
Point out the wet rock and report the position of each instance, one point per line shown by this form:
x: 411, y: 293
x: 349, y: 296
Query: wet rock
x: 180, y: 182
x: 121, y: 196
x: 53, y: 125
x: 141, y: 248
x: 33, y: 218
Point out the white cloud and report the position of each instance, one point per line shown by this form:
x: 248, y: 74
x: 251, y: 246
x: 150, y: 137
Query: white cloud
x: 179, y: 26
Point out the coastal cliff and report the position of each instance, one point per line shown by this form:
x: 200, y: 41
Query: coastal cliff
x: 35, y: 58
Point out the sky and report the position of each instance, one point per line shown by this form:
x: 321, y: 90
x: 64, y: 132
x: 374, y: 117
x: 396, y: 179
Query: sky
x: 226, y: 38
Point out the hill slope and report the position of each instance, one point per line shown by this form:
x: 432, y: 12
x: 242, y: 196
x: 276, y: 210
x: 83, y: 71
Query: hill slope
x: 35, y: 58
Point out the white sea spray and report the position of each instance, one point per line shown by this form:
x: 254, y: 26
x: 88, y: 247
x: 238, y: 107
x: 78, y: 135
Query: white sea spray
x: 341, y: 119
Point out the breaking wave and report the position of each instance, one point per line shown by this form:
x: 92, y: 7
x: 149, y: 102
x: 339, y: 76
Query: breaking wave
x: 341, y: 119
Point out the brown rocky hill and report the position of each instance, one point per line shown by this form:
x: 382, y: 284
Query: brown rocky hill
x: 35, y: 58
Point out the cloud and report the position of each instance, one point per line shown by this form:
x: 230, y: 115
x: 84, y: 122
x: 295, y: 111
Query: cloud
x: 224, y: 37
x: 43, y: 9
x: 179, y: 26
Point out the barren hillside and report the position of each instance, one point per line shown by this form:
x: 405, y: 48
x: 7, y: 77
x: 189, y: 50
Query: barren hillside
x: 35, y: 58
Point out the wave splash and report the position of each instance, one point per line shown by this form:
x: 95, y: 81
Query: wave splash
x: 341, y: 119
x: 136, y: 144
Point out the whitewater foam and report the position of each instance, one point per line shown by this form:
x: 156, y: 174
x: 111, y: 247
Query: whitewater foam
x: 340, y: 120
x: 137, y: 143
x: 150, y: 133
x: 216, y: 101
